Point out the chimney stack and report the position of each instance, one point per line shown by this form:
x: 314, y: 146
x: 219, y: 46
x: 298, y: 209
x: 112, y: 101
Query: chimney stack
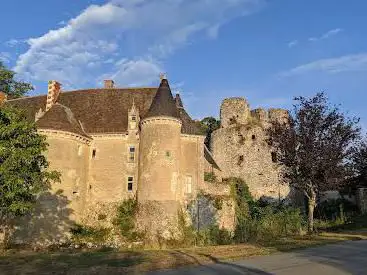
x: 54, y: 90
x: 109, y: 84
x: 3, y: 98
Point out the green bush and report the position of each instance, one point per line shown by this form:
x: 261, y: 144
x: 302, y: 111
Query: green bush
x: 260, y: 220
x: 125, y: 219
x: 83, y: 234
x: 210, y: 177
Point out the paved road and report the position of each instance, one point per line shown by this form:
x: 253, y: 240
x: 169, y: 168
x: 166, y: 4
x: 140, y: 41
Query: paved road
x: 343, y: 258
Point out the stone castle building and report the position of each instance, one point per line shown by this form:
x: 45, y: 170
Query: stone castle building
x: 112, y: 143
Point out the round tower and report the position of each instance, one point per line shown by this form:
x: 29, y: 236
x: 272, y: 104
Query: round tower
x: 234, y: 110
x: 160, y: 149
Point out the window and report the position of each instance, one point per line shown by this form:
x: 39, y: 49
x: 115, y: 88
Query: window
x: 130, y: 182
x: 188, y: 185
x: 274, y: 157
x: 168, y: 154
x: 131, y: 154
x: 133, y: 118
x: 94, y: 152
x: 80, y: 150
x: 253, y: 137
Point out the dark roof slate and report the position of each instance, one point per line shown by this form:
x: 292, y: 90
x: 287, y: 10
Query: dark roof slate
x: 60, y: 117
x: 163, y: 103
x: 102, y: 110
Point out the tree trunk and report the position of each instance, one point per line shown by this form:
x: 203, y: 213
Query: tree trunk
x: 311, y: 209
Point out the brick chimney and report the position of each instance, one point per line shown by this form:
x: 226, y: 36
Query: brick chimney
x: 54, y: 90
x: 3, y: 98
x: 109, y: 84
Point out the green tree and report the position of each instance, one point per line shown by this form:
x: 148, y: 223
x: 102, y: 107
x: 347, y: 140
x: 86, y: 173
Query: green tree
x: 10, y: 86
x: 314, y: 148
x: 359, y: 164
x: 209, y: 125
x: 23, y: 166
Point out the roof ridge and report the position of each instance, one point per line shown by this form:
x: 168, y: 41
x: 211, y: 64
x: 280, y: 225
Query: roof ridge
x: 110, y: 89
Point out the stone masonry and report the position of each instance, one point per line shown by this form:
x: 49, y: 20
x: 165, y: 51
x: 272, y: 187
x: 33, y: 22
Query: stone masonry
x: 240, y: 148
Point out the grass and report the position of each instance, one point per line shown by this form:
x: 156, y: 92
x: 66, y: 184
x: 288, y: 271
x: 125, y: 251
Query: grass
x: 139, y: 261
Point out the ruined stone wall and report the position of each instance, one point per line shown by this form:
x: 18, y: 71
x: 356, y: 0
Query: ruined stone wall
x: 225, y: 216
x: 234, y: 110
x: 241, y: 150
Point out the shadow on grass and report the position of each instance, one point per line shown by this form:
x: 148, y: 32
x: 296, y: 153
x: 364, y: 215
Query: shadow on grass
x: 357, y: 223
x: 73, y: 263
x: 213, y: 266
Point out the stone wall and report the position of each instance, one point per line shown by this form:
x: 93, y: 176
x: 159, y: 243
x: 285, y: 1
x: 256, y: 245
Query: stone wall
x: 225, y: 216
x: 70, y: 156
x: 191, y: 166
x: 57, y: 210
x: 110, y: 168
x: 241, y: 150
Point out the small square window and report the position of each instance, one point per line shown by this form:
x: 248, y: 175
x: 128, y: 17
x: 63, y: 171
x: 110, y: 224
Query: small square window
x: 253, y: 137
x: 168, y: 154
x: 133, y: 118
x: 130, y: 182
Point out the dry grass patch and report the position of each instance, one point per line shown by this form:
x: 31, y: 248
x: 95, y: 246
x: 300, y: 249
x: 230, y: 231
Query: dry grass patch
x: 129, y: 262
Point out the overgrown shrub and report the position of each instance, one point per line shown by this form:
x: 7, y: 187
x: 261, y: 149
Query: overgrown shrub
x: 335, y: 209
x: 210, y: 177
x: 260, y: 220
x: 125, y: 219
x: 208, y: 235
x: 214, y: 235
x: 85, y: 234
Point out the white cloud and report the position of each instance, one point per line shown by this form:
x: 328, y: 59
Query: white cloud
x: 346, y: 63
x: 135, y: 72
x: 5, y: 57
x: 293, y: 43
x: 14, y: 42
x: 326, y: 35
x: 138, y: 30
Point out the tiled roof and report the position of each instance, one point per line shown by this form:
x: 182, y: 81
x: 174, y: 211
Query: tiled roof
x: 60, y: 117
x: 99, y: 110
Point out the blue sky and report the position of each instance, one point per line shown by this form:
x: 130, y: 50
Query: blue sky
x: 267, y: 51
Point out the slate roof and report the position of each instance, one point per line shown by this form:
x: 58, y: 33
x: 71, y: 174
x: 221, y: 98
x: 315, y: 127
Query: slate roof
x: 100, y: 110
x: 60, y: 117
x: 163, y: 103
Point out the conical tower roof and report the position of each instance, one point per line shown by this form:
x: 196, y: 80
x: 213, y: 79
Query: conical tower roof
x: 163, y: 103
